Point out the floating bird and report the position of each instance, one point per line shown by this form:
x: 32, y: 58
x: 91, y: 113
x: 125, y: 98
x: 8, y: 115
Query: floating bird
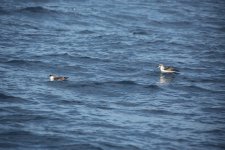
x: 55, y: 78
x: 165, y: 69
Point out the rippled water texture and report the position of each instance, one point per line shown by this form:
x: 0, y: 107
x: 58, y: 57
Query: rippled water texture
x: 115, y: 97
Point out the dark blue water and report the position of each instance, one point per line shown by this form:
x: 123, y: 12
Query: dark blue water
x: 115, y: 97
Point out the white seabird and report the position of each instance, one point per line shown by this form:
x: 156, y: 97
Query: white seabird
x: 166, y: 69
x: 57, y: 78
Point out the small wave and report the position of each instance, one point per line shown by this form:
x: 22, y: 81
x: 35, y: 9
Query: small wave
x: 85, y: 84
x: 128, y: 17
x: 77, y: 146
x: 99, y: 84
x: 17, y: 133
x: 86, y: 59
x: 86, y: 32
x: 67, y: 55
x: 125, y: 82
x: 157, y: 111
x: 215, y: 79
x: 161, y: 112
x: 37, y: 9
x: 124, y: 69
x: 152, y: 86
x: 176, y: 24
x: 128, y: 104
x: 71, y: 102
x: 214, y: 109
x: 9, y: 98
x: 92, y: 59
x: 2, y: 11
x: 3, y: 96
x: 195, y: 88
x: 215, y: 131
x: 17, y: 62
x: 168, y: 11
x: 140, y: 32
x: 20, y: 62
x: 222, y: 29
x: 31, y: 64
x: 213, y: 54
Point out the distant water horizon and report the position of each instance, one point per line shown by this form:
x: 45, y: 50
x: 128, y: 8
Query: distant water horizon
x: 115, y: 97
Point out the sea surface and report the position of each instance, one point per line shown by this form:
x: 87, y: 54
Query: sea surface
x: 115, y: 98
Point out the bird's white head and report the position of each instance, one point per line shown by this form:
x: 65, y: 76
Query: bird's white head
x: 51, y: 77
x: 161, y: 66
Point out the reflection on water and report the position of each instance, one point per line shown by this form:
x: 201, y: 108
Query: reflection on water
x: 166, y: 78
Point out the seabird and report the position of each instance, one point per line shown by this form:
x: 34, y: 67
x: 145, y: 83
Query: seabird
x: 165, y: 69
x: 55, y: 78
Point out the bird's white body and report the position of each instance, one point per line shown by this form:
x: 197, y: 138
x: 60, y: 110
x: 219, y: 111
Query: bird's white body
x: 51, y: 78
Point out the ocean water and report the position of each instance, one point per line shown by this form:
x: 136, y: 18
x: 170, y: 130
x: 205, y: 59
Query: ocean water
x: 115, y: 97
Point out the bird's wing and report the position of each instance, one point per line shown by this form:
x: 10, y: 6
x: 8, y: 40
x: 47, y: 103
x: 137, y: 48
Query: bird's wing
x: 169, y: 69
x: 61, y: 78
x: 57, y: 78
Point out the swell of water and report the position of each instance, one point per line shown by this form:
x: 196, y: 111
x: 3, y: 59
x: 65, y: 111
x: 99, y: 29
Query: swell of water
x: 115, y: 97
